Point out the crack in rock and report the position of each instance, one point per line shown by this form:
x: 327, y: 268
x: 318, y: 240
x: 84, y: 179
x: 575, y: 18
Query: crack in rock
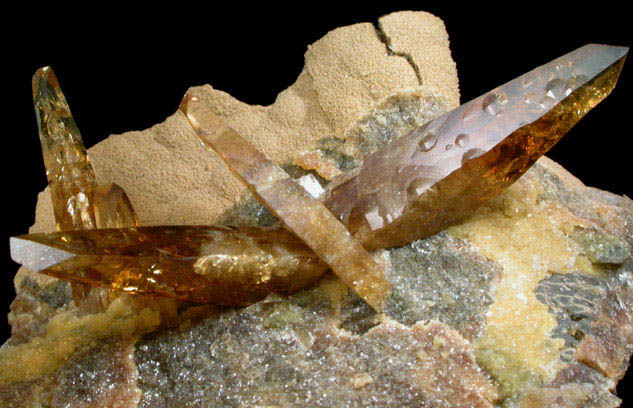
x: 384, y: 38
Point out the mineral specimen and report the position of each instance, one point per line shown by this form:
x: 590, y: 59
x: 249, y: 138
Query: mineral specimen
x: 423, y: 188
x: 78, y: 202
x: 525, y: 304
x: 217, y: 265
x: 301, y: 213
x: 438, y: 174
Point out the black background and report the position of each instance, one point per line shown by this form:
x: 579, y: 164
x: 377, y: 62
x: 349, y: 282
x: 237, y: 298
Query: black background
x: 124, y: 69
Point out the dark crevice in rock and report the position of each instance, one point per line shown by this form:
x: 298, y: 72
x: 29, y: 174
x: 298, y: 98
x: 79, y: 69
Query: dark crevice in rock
x: 384, y: 38
x: 357, y: 316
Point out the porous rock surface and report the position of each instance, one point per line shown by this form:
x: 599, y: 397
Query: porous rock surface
x: 526, y: 304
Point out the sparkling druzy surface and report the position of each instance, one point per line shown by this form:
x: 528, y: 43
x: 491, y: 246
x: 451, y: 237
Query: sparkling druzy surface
x: 216, y: 265
x: 300, y: 212
x: 438, y: 174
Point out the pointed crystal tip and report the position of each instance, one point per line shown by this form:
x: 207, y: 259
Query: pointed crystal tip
x: 441, y: 172
x: 184, y: 104
x: 44, y: 75
x: 36, y: 256
x: 113, y: 208
x: 187, y: 105
x: 207, y: 124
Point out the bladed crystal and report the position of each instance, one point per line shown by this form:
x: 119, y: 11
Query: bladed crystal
x: 438, y: 174
x: 418, y: 185
x: 299, y: 211
x: 71, y: 178
x: 215, y: 265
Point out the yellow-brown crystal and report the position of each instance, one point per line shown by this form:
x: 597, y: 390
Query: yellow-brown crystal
x: 78, y: 202
x: 112, y: 207
x: 301, y: 213
x: 437, y: 175
x: 216, y: 265
x: 71, y: 178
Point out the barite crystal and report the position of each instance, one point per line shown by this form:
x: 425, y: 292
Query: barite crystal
x: 300, y: 212
x: 71, y: 178
x: 216, y: 265
x: 417, y: 185
x: 78, y: 201
x: 438, y: 174
x: 112, y: 207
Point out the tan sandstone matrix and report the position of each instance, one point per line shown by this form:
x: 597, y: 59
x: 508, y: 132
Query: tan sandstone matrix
x: 463, y: 271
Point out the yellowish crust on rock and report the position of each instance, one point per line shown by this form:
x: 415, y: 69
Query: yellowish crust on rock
x: 67, y: 333
x: 530, y: 239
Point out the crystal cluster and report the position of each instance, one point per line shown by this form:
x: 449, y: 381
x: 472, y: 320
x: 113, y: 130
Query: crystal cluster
x: 78, y: 202
x: 411, y: 188
x: 301, y: 213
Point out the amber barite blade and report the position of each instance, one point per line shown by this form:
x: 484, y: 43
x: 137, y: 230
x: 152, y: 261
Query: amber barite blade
x: 215, y: 265
x: 440, y: 173
x: 78, y: 203
x: 301, y: 213
x: 71, y: 178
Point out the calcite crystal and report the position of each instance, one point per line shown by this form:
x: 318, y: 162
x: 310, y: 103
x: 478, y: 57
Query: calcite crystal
x: 301, y: 213
x: 525, y: 304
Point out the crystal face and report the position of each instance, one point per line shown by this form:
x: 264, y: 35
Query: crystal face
x: 440, y: 173
x: 300, y: 212
x: 216, y: 265
x: 113, y: 208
